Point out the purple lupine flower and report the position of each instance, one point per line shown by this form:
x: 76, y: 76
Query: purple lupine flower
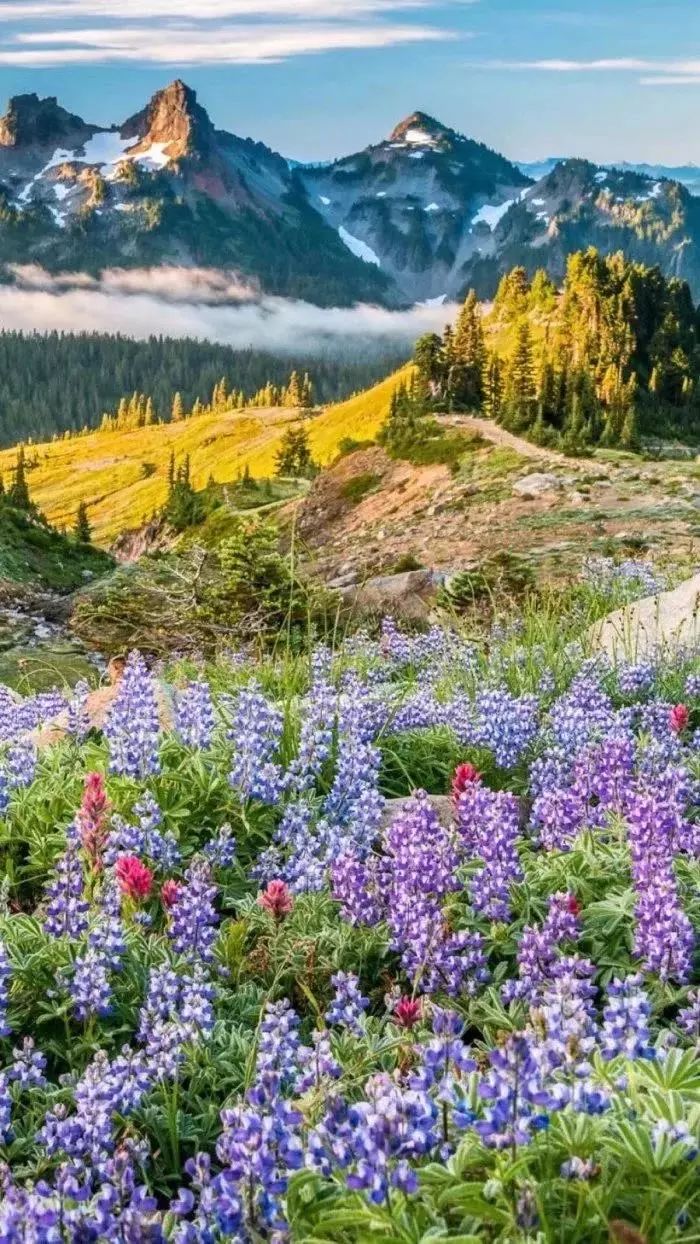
x: 689, y: 1016
x: 193, y: 918
x: 132, y: 728
x: 66, y: 907
x: 518, y: 1100
x: 28, y: 1065
x: 78, y: 716
x: 636, y: 679
x: 356, y: 888
x: 539, y: 949
x: 625, y: 1029
x: 348, y: 1005
x: 20, y: 764
x: 318, y: 718
x: 194, y: 715
x: 221, y: 850
x: 489, y: 825
x: 256, y: 731
x: 664, y: 935
x: 90, y: 988
x: 497, y: 720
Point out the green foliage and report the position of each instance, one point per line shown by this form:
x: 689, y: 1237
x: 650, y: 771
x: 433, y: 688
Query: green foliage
x: 61, y: 382
x: 82, y: 530
x: 356, y: 488
x: 201, y: 598
x: 504, y: 574
x: 294, y: 459
x: 615, y: 354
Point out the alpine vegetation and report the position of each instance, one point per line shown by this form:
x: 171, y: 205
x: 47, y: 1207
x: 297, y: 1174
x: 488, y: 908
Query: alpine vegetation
x: 393, y: 940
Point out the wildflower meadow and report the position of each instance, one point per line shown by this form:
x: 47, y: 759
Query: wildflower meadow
x: 391, y: 940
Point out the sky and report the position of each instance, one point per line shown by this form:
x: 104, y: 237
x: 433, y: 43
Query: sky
x: 604, y: 79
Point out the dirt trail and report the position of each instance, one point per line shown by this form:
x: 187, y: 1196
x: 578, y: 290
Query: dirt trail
x: 498, y: 436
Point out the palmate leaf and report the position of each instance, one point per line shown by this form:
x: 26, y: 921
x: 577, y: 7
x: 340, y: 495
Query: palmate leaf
x: 678, y: 1071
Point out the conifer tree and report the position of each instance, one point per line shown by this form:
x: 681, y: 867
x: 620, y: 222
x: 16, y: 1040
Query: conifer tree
x: 468, y: 351
x: 294, y: 455
x: 82, y: 530
x: 18, y: 494
x: 177, y: 412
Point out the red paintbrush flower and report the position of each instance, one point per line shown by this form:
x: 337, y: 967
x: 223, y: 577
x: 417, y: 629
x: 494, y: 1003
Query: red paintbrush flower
x: 407, y: 1012
x: 465, y: 775
x: 92, y: 817
x: 169, y: 891
x: 277, y: 900
x: 679, y: 718
x: 134, y: 877
x: 572, y: 905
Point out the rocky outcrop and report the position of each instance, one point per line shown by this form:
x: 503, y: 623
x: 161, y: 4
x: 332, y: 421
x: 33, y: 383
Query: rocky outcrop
x: 174, y: 119
x: 661, y: 623
x: 409, y: 596
x: 31, y: 121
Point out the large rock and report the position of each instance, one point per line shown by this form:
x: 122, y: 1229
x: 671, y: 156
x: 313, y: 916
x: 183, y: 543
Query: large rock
x: 409, y: 595
x: 656, y: 624
x: 536, y: 485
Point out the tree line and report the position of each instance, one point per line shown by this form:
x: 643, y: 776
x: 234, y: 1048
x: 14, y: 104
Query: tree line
x: 139, y: 411
x: 55, y: 383
x: 614, y: 354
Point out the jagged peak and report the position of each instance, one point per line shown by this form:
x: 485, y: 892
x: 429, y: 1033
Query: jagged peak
x: 419, y: 127
x: 31, y: 119
x: 173, y: 118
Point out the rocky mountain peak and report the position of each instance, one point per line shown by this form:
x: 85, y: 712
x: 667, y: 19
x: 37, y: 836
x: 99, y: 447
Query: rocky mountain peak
x: 419, y: 128
x: 173, y: 118
x: 32, y: 121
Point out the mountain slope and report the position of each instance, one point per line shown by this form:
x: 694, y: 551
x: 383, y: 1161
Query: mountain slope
x: 413, y: 203
x: 166, y: 186
x: 122, y: 476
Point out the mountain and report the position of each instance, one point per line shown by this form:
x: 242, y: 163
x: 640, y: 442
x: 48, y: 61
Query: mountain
x: 420, y: 216
x: 165, y: 187
x: 420, y: 205
x: 687, y: 174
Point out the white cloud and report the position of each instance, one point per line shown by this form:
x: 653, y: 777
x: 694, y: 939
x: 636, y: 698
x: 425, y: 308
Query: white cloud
x: 655, y: 73
x: 203, y: 10
x: 206, y: 304
x: 189, y: 44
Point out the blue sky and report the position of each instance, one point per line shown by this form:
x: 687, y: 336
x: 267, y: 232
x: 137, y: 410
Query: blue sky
x: 607, y: 79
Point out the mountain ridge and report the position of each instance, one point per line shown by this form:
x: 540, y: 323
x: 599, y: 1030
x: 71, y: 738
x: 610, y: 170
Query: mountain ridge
x: 420, y: 215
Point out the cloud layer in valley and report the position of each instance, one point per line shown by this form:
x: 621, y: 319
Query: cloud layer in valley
x: 205, y: 304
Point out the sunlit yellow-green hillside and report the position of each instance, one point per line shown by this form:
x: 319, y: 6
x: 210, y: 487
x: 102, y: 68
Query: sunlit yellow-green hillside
x: 122, y: 476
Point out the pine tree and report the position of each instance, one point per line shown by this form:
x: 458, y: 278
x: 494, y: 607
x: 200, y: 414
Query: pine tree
x: 294, y: 455
x: 468, y: 351
x: 82, y: 530
x: 520, y: 400
x: 171, y: 471
x: 18, y: 496
x: 293, y: 394
x: 177, y: 412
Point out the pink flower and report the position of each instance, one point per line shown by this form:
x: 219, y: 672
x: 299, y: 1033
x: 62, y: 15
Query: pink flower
x: 277, y: 900
x: 679, y: 718
x: 134, y: 877
x: 169, y: 892
x: 407, y: 1012
x: 92, y: 817
x: 464, y: 775
x: 572, y: 905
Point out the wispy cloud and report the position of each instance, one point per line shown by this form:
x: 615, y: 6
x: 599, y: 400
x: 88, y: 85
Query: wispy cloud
x: 26, y: 10
x: 189, y: 45
x: 675, y: 72
x: 49, y: 32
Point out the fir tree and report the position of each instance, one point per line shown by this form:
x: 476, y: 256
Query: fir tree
x: 177, y: 410
x: 294, y: 457
x: 82, y: 530
x: 18, y: 495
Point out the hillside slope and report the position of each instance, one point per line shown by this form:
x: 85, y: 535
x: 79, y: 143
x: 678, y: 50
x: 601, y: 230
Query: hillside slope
x: 122, y: 475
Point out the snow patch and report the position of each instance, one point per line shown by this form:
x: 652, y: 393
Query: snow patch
x: 601, y: 176
x: 491, y: 213
x: 538, y: 202
x: 381, y: 194
x: 105, y: 149
x: 324, y: 200
x: 61, y: 191
x: 433, y: 302
x: 432, y: 207
x: 416, y: 155
x: 421, y: 137
x: 360, y: 249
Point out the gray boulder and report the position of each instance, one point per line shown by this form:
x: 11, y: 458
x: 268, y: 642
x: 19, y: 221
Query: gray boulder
x: 656, y: 624
x: 536, y: 485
